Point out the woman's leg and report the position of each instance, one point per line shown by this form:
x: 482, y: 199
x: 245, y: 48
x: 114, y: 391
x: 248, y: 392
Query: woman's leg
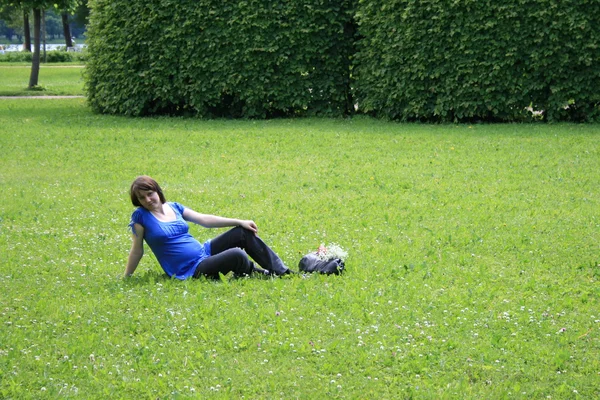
x: 254, y: 247
x: 235, y: 260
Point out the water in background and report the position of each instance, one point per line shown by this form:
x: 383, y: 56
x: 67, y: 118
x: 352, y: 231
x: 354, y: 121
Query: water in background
x: 49, y: 47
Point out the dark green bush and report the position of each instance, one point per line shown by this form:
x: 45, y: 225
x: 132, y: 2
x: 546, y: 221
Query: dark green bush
x: 54, y: 56
x: 436, y: 60
x: 252, y: 58
x: 61, y: 56
x: 15, y: 56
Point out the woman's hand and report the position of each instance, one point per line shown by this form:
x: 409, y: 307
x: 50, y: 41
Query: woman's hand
x: 250, y: 225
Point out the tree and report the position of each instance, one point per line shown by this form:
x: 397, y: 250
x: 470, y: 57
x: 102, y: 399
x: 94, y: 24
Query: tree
x: 66, y: 29
x: 53, y: 22
x: 81, y: 15
x: 15, y: 22
x: 37, y: 6
x: 35, y: 60
x: 26, y: 31
x: 67, y: 7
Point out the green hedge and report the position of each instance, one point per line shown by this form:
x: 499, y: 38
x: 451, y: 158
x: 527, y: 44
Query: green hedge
x: 252, y: 58
x: 436, y: 60
x: 428, y: 60
x: 54, y: 56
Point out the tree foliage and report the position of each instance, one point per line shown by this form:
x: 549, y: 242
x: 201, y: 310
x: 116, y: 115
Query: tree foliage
x: 37, y: 6
x: 252, y: 58
x: 436, y: 60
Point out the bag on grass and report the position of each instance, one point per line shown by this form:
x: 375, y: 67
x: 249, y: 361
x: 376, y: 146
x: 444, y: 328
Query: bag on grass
x: 313, y: 263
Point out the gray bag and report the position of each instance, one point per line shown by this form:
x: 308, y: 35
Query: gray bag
x: 312, y: 263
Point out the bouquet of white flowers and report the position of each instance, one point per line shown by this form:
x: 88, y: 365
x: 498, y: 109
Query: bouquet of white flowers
x: 326, y: 260
x: 331, y: 252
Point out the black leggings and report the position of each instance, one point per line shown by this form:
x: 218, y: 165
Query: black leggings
x: 228, y: 255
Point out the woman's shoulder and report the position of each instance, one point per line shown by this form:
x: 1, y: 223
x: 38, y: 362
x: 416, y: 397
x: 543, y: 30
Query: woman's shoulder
x: 177, y: 206
x: 137, y: 217
x: 138, y: 214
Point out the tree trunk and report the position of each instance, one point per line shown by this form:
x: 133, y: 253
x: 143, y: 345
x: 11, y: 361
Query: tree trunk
x: 44, y: 34
x: 27, y: 44
x: 35, y: 61
x: 67, y: 30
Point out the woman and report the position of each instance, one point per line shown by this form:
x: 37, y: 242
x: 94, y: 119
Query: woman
x: 164, y: 228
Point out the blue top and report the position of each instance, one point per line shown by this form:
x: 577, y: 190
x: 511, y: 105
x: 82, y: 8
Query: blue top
x: 176, y: 250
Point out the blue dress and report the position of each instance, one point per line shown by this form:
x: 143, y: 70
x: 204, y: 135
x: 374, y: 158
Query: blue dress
x: 177, y: 252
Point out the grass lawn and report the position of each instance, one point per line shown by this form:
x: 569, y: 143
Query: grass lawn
x: 473, y: 266
x: 56, y: 79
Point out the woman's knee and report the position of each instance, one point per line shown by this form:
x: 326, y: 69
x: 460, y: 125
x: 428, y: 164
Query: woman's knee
x: 234, y: 259
x: 239, y: 261
x: 241, y: 231
x: 236, y: 253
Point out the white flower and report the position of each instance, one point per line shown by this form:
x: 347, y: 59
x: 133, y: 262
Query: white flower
x: 332, y: 251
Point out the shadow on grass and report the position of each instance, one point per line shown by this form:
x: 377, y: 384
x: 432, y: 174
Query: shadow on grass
x: 152, y: 277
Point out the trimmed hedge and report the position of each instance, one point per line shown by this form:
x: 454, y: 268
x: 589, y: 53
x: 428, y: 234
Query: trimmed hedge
x: 53, y: 56
x: 252, y: 58
x: 427, y: 60
x: 436, y: 60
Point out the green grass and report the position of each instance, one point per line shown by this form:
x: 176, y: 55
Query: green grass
x: 473, y: 269
x: 56, y: 80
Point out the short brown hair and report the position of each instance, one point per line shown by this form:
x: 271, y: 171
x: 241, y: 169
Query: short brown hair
x: 144, y: 183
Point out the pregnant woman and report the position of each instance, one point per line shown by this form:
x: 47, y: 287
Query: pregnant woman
x: 164, y: 227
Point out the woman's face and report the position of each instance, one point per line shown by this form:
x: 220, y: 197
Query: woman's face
x: 149, y: 199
